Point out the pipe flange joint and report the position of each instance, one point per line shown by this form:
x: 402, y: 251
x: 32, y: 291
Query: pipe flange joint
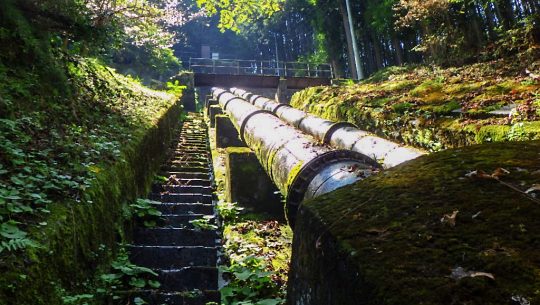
x: 219, y: 94
x: 230, y: 100
x: 279, y: 106
x: 300, y: 183
x: 246, y: 119
x: 334, y: 128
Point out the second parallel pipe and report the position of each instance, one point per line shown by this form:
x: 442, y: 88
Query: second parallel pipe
x: 341, y: 135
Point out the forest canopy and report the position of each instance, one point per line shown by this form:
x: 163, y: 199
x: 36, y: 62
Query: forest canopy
x: 389, y: 32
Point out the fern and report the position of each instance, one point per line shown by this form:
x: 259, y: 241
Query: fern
x: 17, y: 244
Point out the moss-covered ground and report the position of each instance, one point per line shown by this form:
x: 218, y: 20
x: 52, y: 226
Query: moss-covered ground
x: 70, y: 160
x: 454, y: 227
x: 437, y: 108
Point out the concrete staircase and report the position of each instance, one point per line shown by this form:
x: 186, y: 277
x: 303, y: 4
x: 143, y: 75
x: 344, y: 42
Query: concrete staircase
x: 184, y: 257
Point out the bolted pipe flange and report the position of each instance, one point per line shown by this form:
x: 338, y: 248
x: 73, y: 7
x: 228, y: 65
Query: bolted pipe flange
x: 333, y: 128
x: 301, y: 182
x: 279, y: 106
x: 246, y: 119
x: 230, y: 100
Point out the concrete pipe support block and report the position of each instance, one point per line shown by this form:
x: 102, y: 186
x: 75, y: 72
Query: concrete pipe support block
x: 226, y: 133
x: 212, y: 112
x: 248, y: 184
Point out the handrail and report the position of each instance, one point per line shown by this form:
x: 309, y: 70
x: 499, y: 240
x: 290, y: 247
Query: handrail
x: 260, y: 67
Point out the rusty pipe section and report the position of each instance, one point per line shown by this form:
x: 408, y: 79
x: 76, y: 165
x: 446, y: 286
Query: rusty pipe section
x: 342, y: 135
x: 299, y: 166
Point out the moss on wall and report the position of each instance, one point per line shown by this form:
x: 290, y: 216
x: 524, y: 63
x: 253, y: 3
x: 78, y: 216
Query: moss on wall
x: 78, y: 235
x: 429, y: 231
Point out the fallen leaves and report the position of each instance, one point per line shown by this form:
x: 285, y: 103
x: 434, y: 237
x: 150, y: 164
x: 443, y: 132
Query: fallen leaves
x: 450, y: 219
x: 459, y: 273
x: 534, y: 190
x: 480, y: 174
x: 497, y: 174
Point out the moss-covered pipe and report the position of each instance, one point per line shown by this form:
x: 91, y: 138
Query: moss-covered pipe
x: 299, y: 166
x: 341, y: 135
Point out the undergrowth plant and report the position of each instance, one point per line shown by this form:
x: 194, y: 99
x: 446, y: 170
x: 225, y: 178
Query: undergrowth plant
x: 117, y: 284
x: 258, y: 259
x: 204, y: 223
x: 249, y: 283
x: 145, y: 211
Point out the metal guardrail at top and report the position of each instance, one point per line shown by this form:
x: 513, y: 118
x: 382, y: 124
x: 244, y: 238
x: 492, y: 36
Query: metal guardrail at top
x: 259, y: 67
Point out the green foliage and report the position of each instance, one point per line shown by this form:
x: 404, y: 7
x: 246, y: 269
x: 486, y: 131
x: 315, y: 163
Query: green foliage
x: 250, y: 284
x: 175, y: 88
x: 14, y: 238
x: 204, y: 223
x: 55, y: 151
x: 240, y: 13
x: 228, y: 211
x: 320, y: 54
x: 402, y: 107
x: 126, y: 275
x: 145, y: 211
x: 111, y: 285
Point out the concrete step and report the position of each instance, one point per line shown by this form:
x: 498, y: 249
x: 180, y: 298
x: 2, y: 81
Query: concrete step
x: 189, y: 297
x: 174, y: 237
x: 191, y: 182
x: 205, y: 190
x: 173, y: 257
x: 187, y: 169
x: 185, y: 208
x: 181, y: 198
x: 178, y: 168
x: 179, y: 221
x: 187, y: 175
x: 190, y: 163
x: 201, y: 151
x: 189, y: 278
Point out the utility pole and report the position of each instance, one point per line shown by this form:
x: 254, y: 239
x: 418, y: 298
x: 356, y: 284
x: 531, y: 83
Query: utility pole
x: 357, y: 65
x: 277, y: 58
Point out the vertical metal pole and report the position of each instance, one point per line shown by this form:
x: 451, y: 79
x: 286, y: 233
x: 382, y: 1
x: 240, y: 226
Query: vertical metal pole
x: 358, y: 67
x: 277, y: 57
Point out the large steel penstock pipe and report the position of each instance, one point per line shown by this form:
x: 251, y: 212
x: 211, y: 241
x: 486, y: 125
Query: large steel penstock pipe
x: 299, y: 166
x: 341, y: 135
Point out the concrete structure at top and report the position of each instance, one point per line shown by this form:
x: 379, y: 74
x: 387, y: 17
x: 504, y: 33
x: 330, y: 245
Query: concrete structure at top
x: 342, y: 135
x: 299, y: 166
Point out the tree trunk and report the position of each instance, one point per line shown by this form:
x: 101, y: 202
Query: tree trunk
x: 377, y: 52
x: 396, y: 44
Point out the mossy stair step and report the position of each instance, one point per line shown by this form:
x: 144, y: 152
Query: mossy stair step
x: 181, y: 198
x: 180, y: 221
x: 190, y: 297
x: 190, y: 163
x: 187, y: 169
x: 185, y: 208
x: 175, y: 237
x: 187, y: 175
x: 184, y: 257
x: 193, y: 158
x: 187, y: 182
x: 206, y: 190
x: 173, y: 257
x: 179, y: 167
x: 188, y: 278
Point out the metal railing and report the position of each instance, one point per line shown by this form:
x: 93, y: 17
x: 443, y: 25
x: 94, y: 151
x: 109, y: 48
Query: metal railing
x: 259, y: 67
